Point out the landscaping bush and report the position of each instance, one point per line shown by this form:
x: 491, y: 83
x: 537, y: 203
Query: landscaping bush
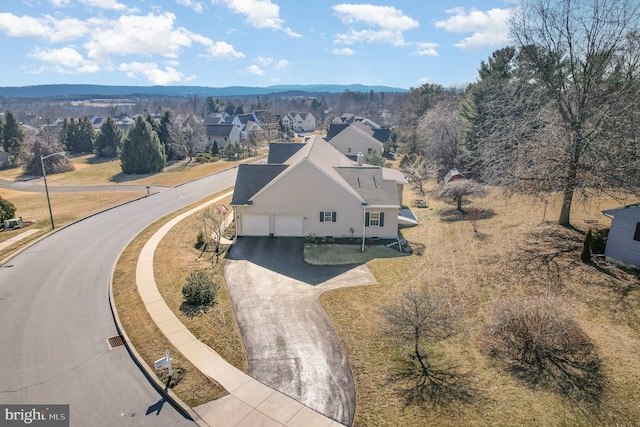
x: 7, y: 209
x: 585, y: 255
x: 199, y: 240
x: 200, y: 289
x: 599, y: 242
x: 545, y: 344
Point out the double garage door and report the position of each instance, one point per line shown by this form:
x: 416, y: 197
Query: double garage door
x: 283, y: 225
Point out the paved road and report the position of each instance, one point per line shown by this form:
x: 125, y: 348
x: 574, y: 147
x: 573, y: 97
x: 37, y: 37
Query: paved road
x: 291, y: 345
x: 55, y: 317
x: 37, y: 186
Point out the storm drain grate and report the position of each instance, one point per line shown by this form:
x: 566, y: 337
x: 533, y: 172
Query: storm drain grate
x: 115, y: 342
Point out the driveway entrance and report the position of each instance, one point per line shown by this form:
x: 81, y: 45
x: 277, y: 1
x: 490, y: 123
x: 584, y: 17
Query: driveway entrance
x: 291, y: 346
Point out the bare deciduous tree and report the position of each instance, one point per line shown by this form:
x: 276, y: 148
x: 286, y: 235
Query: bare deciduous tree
x: 585, y: 58
x: 457, y: 190
x: 212, y: 223
x: 440, y: 132
x: 417, y: 170
x: 416, y: 321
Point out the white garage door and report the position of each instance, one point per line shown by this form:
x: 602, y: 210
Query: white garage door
x: 289, y: 225
x: 255, y: 225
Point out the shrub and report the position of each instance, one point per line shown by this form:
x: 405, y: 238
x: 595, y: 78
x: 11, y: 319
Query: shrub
x: 200, y: 289
x: 542, y: 341
x: 599, y: 242
x: 585, y: 255
x: 7, y: 209
x: 200, y: 239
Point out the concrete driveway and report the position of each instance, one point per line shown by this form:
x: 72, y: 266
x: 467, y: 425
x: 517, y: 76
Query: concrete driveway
x: 291, y: 346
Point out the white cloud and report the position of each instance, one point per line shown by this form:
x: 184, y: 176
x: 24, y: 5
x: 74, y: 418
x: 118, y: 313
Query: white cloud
x: 141, y: 35
x: 46, y: 27
x: 59, y: 3
x: 104, y: 4
x: 488, y: 28
x: 260, y: 14
x: 255, y: 70
x: 343, y: 51
x: 223, y: 50
x: 277, y: 65
x: 282, y: 64
x: 153, y: 73
x: 264, y: 61
x: 386, y: 24
x: 197, y: 6
x: 426, y: 49
x: 65, y: 60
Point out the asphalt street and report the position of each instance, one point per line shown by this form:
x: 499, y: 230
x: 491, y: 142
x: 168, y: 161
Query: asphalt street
x: 55, y: 317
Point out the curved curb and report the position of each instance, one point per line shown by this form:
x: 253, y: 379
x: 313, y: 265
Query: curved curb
x: 146, y: 370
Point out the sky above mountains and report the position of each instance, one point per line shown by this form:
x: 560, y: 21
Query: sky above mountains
x: 219, y: 43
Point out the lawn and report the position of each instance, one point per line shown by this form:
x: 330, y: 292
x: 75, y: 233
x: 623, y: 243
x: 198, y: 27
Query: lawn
x: 505, y: 257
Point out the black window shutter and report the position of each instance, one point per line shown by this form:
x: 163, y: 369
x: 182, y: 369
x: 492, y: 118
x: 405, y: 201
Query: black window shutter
x: 321, y: 216
x: 333, y: 217
x: 366, y: 219
x: 381, y: 219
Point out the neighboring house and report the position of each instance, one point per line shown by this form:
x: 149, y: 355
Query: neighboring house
x: 300, y: 122
x: 217, y: 119
x: 623, y: 243
x: 224, y: 134
x: 355, y: 139
x: 4, y: 159
x: 248, y: 125
x: 346, y: 120
x: 318, y: 192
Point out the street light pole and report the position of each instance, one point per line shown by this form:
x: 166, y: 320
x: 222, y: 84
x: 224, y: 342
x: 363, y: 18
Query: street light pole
x: 46, y: 188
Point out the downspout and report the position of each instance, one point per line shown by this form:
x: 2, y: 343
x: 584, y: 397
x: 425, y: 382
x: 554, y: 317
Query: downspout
x: 364, y: 222
x: 235, y: 219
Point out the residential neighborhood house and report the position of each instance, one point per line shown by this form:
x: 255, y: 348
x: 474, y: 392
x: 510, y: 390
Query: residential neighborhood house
x: 222, y: 134
x: 318, y: 192
x: 356, y: 138
x: 300, y: 122
x: 623, y: 243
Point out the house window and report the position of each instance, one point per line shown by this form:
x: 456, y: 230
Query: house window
x: 327, y: 216
x: 369, y: 150
x: 349, y: 150
x: 374, y: 219
x: 636, y: 236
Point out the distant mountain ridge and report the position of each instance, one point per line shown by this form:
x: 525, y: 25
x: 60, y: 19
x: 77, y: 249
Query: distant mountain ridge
x: 84, y: 91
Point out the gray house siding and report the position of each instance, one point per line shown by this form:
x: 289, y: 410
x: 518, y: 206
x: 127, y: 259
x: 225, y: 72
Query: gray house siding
x: 622, y: 246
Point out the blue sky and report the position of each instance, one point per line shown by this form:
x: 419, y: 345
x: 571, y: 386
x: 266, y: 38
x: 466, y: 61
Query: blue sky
x: 219, y: 43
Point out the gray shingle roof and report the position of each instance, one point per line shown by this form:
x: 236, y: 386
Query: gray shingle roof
x: 279, y: 152
x: 369, y: 183
x: 251, y: 179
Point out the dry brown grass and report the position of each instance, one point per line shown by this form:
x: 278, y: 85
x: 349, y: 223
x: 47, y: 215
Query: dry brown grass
x: 173, y: 260
x: 66, y: 208
x: 511, y: 254
x: 91, y: 170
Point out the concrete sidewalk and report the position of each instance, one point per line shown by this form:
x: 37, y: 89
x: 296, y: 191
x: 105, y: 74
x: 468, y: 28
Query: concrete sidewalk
x: 249, y: 403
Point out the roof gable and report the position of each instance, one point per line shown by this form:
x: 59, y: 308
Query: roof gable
x: 251, y: 179
x: 279, y: 152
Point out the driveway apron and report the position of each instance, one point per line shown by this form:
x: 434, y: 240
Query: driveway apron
x: 291, y: 345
